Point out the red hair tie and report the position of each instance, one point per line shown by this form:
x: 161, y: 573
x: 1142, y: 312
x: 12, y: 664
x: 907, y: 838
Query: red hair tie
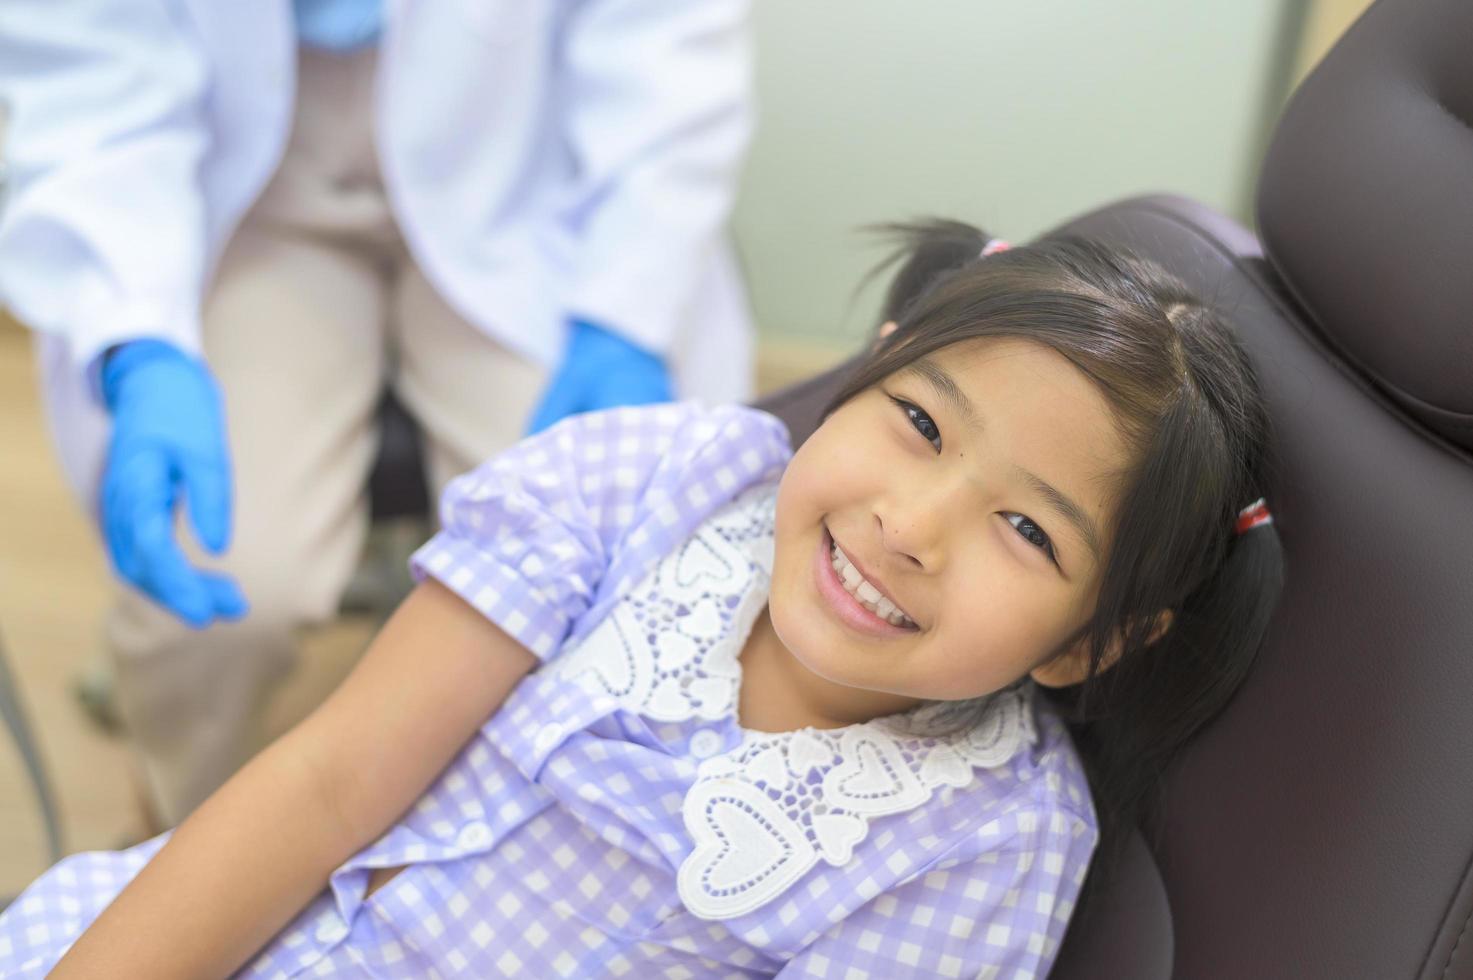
x: 1252, y: 516
x: 993, y: 246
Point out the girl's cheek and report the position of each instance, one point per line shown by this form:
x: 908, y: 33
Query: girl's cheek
x: 836, y: 478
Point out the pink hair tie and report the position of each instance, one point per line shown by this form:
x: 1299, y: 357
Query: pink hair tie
x: 1254, y: 515
x: 993, y: 246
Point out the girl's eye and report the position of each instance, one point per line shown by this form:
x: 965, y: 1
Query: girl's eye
x: 1026, y: 527
x: 920, y: 421
x: 1033, y: 534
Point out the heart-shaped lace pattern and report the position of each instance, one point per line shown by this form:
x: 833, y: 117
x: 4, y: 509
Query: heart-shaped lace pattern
x: 669, y: 649
x: 763, y: 814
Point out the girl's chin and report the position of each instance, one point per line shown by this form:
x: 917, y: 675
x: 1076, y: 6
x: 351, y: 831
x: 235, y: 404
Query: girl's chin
x: 826, y: 651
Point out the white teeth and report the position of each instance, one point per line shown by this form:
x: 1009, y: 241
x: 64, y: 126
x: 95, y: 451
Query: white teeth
x: 868, y: 596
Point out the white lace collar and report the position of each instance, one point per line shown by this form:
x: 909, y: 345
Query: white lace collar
x: 765, y: 812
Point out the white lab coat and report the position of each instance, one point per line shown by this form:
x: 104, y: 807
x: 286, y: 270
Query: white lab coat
x: 543, y: 157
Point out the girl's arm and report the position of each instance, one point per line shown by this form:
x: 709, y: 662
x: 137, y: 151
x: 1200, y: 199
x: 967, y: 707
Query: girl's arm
x: 258, y: 850
x: 526, y: 540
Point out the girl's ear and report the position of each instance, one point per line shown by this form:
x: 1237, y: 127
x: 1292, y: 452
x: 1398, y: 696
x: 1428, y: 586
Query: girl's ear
x: 1072, y: 666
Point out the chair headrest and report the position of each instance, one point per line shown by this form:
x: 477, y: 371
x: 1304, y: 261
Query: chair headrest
x: 1365, y: 205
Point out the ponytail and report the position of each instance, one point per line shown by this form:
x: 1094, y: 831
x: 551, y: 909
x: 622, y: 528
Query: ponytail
x: 926, y: 251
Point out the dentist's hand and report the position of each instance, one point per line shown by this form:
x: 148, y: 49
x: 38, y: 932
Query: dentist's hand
x: 601, y: 370
x: 168, y: 436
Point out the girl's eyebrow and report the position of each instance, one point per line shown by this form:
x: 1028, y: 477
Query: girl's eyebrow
x: 1065, y: 507
x: 1058, y: 501
x: 947, y: 389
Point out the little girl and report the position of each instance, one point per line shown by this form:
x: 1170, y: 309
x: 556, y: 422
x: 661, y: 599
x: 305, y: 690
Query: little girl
x: 672, y: 700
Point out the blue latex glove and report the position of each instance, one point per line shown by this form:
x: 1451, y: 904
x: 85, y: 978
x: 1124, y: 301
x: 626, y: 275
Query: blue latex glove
x: 601, y: 370
x: 168, y: 436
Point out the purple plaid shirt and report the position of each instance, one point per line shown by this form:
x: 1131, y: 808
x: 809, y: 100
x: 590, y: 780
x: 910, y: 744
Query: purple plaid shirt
x: 613, y: 818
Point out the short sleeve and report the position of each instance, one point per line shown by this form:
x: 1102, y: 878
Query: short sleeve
x: 996, y: 906
x: 529, y: 537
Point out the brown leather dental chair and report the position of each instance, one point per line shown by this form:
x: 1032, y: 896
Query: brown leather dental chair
x: 1321, y: 828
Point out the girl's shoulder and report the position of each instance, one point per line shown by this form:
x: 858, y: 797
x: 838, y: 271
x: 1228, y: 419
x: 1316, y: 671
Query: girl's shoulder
x: 642, y: 439
x: 1033, y: 805
x: 1017, y: 781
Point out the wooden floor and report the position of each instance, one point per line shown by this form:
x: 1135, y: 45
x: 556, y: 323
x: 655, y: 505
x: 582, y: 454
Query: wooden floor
x: 53, y: 590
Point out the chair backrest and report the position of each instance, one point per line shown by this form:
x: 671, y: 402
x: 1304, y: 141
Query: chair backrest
x: 1322, y: 826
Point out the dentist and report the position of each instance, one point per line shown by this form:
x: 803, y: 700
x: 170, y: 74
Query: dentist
x: 233, y: 224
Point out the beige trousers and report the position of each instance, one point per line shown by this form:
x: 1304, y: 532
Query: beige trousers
x: 315, y: 307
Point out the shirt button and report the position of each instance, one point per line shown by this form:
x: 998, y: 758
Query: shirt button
x: 706, y: 743
x: 547, y: 737
x: 474, y: 835
x: 330, y: 931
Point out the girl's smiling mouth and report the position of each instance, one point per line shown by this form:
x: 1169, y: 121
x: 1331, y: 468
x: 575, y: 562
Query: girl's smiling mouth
x: 846, y: 604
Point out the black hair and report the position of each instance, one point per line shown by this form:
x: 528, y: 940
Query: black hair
x: 1186, y: 400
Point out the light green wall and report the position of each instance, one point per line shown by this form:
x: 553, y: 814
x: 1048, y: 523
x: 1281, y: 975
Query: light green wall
x: 1012, y: 115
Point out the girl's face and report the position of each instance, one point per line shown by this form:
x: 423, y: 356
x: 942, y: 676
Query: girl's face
x: 971, y: 489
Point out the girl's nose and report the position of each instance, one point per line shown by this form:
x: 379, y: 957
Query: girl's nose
x: 898, y: 543
x: 911, y: 532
